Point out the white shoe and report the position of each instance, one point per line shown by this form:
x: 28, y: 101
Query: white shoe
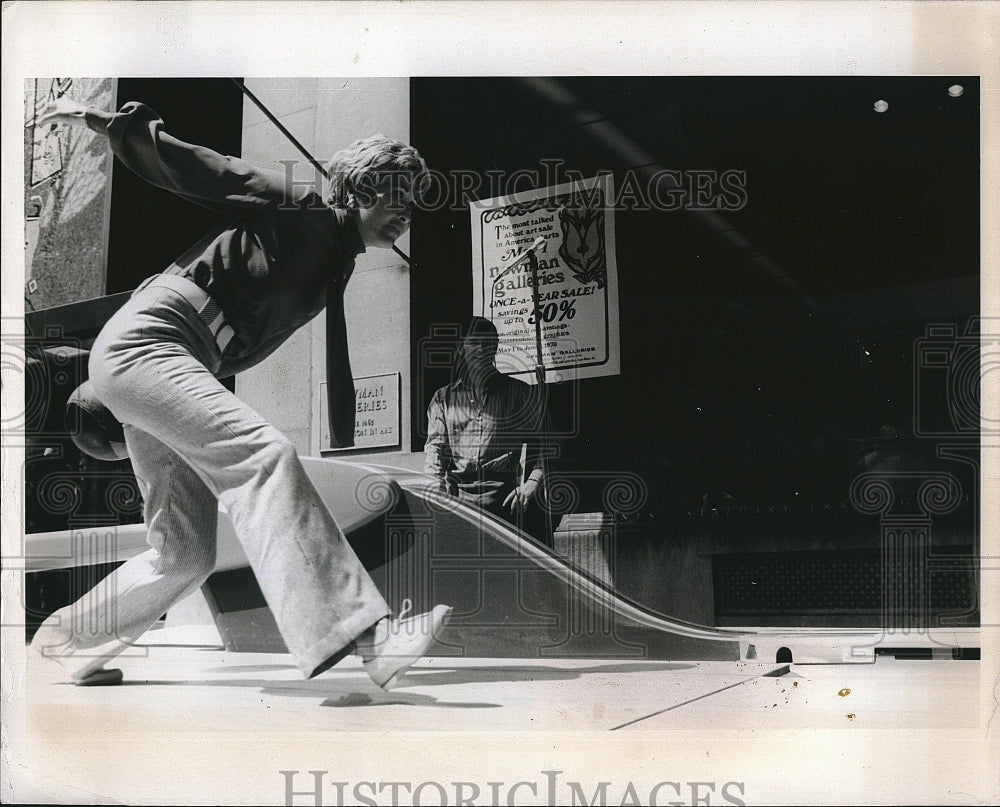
x: 51, y: 646
x: 394, y: 645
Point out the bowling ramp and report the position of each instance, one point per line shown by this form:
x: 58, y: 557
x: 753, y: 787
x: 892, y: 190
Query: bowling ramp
x: 513, y: 596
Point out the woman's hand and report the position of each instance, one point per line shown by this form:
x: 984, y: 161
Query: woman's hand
x: 62, y: 110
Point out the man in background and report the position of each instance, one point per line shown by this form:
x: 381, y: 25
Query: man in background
x: 485, y: 432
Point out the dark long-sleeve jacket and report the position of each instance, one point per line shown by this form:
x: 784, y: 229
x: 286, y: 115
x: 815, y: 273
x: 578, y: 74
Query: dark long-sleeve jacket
x: 284, y: 255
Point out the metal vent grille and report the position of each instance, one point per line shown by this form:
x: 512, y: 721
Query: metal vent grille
x: 816, y: 583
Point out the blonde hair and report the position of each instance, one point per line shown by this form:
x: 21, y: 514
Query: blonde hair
x: 355, y: 171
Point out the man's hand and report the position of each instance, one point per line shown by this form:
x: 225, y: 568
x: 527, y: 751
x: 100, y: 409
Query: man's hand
x: 522, y: 496
x: 62, y: 110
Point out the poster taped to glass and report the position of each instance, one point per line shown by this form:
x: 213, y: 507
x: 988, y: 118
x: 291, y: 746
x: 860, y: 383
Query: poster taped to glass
x: 575, y: 278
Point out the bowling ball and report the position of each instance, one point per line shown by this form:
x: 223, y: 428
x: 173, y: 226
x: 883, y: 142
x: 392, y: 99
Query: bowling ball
x: 94, y: 430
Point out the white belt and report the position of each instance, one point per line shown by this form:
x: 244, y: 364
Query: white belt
x: 205, y: 306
